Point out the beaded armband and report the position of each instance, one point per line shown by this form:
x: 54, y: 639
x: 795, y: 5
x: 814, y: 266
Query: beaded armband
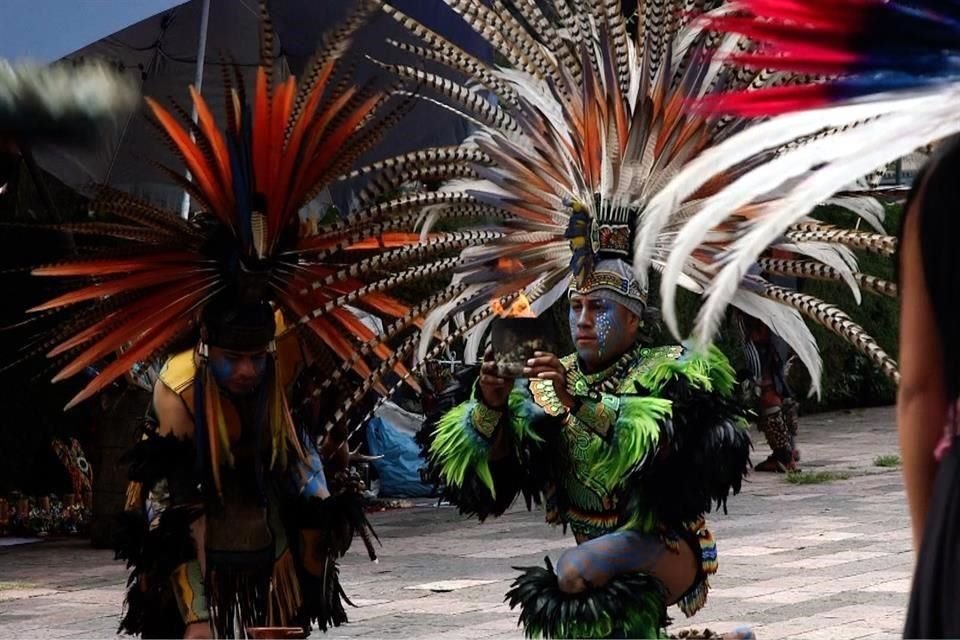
x: 484, y: 419
x: 545, y: 395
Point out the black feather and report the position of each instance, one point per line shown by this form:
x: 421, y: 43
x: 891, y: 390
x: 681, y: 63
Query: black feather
x: 548, y: 612
x: 526, y: 472
x: 706, y: 456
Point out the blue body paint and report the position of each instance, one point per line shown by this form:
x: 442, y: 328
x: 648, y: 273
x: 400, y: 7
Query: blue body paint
x: 224, y: 368
x: 602, y: 316
x: 602, y: 558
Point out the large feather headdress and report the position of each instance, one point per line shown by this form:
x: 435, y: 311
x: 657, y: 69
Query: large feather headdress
x: 282, y: 143
x: 575, y: 136
x: 889, y: 78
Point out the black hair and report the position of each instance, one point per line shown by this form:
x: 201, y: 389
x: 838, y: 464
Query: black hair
x: 238, y: 325
x: 938, y: 190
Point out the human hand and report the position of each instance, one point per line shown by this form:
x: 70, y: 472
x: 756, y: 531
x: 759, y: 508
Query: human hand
x: 494, y: 390
x: 547, y: 366
x: 198, y: 630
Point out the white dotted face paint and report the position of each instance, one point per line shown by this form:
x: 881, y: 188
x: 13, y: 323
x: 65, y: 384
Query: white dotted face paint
x: 599, y: 329
x: 606, y: 323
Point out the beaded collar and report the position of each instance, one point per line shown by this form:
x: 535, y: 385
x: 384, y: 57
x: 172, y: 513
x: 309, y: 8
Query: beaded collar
x: 609, y: 378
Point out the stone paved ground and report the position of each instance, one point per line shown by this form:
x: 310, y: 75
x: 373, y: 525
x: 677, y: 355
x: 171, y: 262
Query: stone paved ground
x: 804, y: 562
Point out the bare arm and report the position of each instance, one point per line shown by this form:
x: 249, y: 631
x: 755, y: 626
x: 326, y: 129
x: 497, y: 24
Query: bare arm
x: 173, y: 418
x: 921, y: 399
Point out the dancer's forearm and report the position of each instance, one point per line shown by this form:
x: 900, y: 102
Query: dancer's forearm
x: 920, y: 416
x: 921, y: 400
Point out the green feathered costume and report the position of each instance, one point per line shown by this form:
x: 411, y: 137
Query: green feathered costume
x: 655, y: 442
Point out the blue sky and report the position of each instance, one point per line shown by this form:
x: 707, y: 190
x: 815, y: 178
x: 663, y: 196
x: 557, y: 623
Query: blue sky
x: 46, y: 30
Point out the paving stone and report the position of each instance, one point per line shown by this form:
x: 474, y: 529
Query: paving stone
x: 829, y: 560
x: 19, y: 594
x: 749, y: 551
x: 894, y: 586
x: 837, y: 632
x: 449, y: 585
x: 801, y: 562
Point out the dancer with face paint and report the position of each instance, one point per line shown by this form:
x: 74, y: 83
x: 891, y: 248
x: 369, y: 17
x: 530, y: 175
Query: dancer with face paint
x: 607, y: 438
x: 566, y: 169
x: 259, y: 530
x: 601, y: 329
x: 232, y: 522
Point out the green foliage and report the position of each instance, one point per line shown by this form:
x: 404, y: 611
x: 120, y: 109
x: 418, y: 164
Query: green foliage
x: 889, y: 460
x: 816, y: 477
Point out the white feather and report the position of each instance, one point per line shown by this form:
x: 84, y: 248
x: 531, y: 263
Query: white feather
x: 743, y: 146
x: 54, y: 103
x: 438, y: 317
x: 633, y: 87
x: 836, y: 256
x: 685, y: 281
x: 544, y: 302
x: 719, y: 61
x: 892, y: 136
x: 428, y: 218
x: 866, y: 207
x: 474, y: 346
x: 865, y: 147
x: 538, y: 94
x: 443, y: 105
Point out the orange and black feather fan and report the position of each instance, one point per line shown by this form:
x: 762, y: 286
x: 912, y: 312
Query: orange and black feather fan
x: 283, y: 142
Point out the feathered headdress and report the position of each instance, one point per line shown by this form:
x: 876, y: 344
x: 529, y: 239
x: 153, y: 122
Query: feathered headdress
x: 889, y: 79
x: 575, y: 137
x: 282, y: 143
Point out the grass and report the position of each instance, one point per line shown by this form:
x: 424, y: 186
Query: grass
x: 887, y: 461
x: 816, y: 477
x: 14, y: 586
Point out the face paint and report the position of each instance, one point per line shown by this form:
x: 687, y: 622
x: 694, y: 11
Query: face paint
x: 572, y: 318
x: 604, y: 325
x: 600, y: 329
x: 237, y: 373
x: 222, y: 369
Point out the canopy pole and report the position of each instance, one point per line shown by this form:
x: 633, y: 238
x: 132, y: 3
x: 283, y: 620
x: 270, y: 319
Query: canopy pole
x: 198, y: 83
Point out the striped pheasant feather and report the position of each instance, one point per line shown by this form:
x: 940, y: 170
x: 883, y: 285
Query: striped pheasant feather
x: 579, y: 134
